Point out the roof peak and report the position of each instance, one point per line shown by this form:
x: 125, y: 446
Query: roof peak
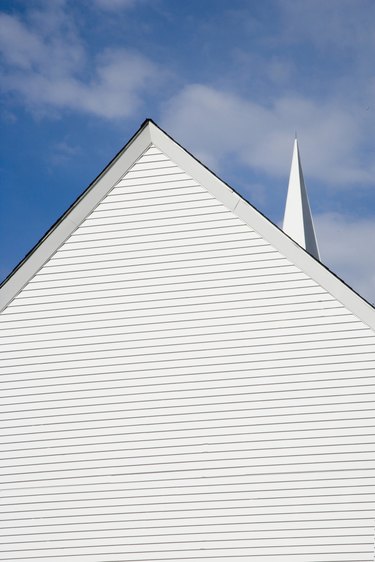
x: 298, y: 222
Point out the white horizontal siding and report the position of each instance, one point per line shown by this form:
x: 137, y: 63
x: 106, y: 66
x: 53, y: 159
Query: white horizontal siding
x: 173, y: 388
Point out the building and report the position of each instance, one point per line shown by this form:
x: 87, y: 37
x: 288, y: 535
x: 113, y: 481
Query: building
x: 181, y: 381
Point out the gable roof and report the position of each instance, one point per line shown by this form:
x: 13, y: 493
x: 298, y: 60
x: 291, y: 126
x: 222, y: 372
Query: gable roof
x: 150, y: 134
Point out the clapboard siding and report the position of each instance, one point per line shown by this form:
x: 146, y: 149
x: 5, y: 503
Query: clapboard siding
x: 231, y: 334
x: 173, y: 388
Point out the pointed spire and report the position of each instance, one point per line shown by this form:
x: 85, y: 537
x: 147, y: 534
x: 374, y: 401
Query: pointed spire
x: 298, y: 223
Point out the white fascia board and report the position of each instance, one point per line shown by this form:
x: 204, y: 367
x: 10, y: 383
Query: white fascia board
x: 264, y: 227
x: 77, y: 213
x: 148, y: 134
x: 309, y: 265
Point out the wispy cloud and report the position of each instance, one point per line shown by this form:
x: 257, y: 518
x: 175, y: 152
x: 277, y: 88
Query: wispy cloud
x: 340, y: 36
x: 344, y: 245
x: 221, y: 125
x: 63, y: 152
x: 47, y: 66
x: 337, y: 24
x: 113, y: 5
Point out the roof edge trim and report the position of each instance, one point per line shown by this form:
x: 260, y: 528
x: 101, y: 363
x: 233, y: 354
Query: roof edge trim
x: 75, y: 214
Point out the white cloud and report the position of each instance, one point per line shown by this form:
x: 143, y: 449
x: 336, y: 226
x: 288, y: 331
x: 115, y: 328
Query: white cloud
x: 46, y: 65
x: 19, y: 47
x: 120, y: 79
x: 220, y: 125
x: 45, y: 42
x: 345, y: 246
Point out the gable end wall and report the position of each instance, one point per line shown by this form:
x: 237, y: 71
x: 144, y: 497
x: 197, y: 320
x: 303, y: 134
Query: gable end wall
x: 174, y: 388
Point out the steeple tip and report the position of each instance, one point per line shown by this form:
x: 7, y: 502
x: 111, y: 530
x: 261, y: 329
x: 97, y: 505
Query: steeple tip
x: 298, y: 223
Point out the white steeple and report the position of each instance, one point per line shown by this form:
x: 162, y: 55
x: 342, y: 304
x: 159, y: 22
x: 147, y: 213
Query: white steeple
x: 298, y: 223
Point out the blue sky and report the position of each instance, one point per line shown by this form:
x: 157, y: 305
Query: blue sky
x: 231, y: 81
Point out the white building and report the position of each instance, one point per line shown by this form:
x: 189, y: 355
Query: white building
x: 181, y: 381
